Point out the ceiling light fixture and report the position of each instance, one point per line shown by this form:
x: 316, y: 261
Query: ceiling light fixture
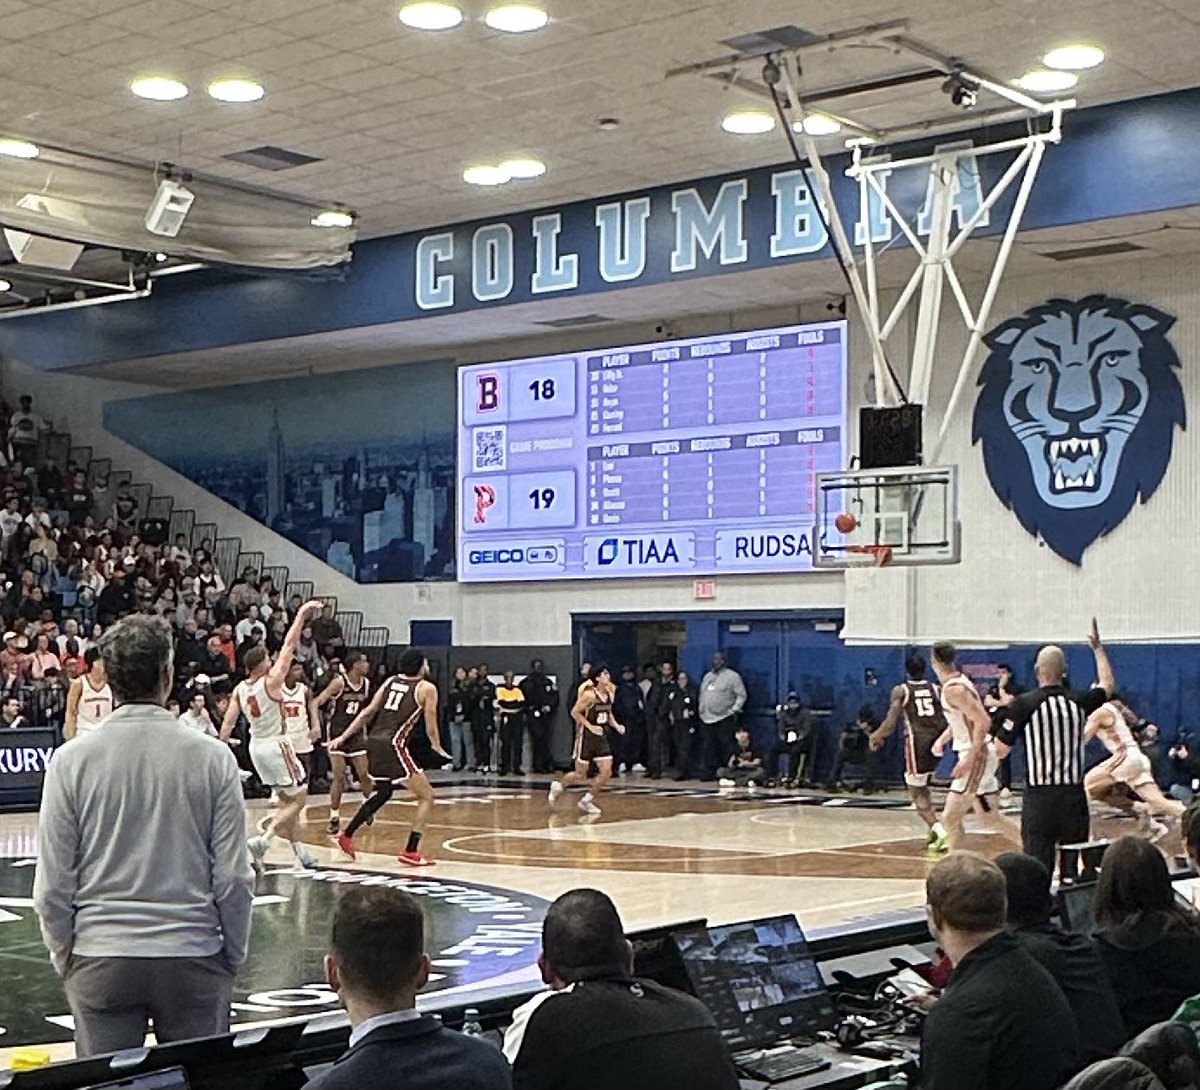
x: 748, y: 122
x: 486, y: 175
x: 1046, y: 80
x: 1074, y: 57
x: 19, y: 149
x: 333, y: 217
x: 523, y: 168
x: 516, y: 18
x: 430, y: 15
x: 236, y: 90
x: 817, y: 125
x: 158, y: 88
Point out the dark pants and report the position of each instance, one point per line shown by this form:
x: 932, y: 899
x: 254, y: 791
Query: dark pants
x: 1051, y: 816
x: 541, y: 724
x: 688, y: 746
x: 629, y: 748
x: 718, y: 744
x: 658, y: 747
x: 1004, y: 773
x: 512, y: 741
x: 114, y: 1000
x: 481, y: 734
x: 799, y: 755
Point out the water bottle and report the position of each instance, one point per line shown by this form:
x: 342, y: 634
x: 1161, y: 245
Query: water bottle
x: 472, y: 1027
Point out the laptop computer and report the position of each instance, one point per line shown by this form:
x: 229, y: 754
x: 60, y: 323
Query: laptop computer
x: 763, y: 987
x: 656, y: 955
x: 1077, y: 907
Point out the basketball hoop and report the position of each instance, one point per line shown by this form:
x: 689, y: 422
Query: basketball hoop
x: 881, y: 555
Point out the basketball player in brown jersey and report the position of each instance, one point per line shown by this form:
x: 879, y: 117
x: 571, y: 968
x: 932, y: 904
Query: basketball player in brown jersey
x: 349, y: 692
x: 390, y: 719
x: 917, y: 701
x: 593, y: 716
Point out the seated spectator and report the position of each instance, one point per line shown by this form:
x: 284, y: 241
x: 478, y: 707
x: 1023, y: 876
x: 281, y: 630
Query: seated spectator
x: 11, y: 713
x: 326, y: 630
x: 244, y: 592
x: 117, y: 598
x: 795, y: 729
x: 197, y: 716
x: 1001, y: 1022
x: 12, y: 658
x: 42, y: 658
x: 599, y: 1028
x: 744, y: 767
x: 227, y: 646
x: 1149, y: 944
x: 1070, y: 959
x: 377, y: 964
x: 250, y: 625
x: 854, y: 748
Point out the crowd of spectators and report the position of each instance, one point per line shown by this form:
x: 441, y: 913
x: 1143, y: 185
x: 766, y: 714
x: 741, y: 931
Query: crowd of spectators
x: 77, y: 553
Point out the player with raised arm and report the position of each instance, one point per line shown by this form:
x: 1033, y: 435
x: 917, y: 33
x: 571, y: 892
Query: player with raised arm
x: 260, y: 699
x: 90, y: 700
x: 917, y: 702
x: 969, y: 732
x: 350, y: 691
x: 401, y: 703
x: 1127, y: 769
x: 593, y: 716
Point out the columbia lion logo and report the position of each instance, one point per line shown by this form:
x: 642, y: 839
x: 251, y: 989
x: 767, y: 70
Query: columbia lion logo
x: 1076, y: 415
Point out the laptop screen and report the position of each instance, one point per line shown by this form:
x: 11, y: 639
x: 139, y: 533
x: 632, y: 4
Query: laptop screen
x: 759, y: 980
x: 656, y: 956
x: 1078, y: 907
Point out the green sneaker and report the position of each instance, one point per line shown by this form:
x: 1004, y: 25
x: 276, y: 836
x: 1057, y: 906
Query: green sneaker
x: 939, y: 841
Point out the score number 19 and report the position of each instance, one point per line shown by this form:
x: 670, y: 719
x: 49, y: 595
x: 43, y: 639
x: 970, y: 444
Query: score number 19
x: 542, y: 498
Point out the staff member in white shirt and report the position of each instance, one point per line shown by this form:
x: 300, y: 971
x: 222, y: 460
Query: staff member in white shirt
x: 722, y: 698
x: 143, y: 884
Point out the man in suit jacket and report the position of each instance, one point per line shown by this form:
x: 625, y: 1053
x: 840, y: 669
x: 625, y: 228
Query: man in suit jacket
x: 377, y: 965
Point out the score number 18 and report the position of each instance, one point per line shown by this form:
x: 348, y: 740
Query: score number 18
x: 542, y: 389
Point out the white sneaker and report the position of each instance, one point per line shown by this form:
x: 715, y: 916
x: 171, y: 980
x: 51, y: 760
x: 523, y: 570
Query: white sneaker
x: 727, y: 783
x: 304, y: 857
x: 639, y: 768
x: 556, y: 790
x: 587, y: 806
x: 1006, y: 797
x: 1157, y: 831
x: 751, y: 789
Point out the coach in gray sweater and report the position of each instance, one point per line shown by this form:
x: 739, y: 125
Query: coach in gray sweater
x: 143, y: 884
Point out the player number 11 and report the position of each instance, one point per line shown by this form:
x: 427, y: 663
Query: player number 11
x: 542, y: 389
x: 541, y: 498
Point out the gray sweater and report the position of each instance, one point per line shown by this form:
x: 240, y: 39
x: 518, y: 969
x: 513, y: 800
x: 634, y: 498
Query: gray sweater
x: 142, y: 844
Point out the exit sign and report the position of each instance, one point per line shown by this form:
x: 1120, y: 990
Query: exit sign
x: 704, y: 589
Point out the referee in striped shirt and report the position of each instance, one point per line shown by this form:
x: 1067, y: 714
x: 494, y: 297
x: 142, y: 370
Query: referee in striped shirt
x: 1052, y: 719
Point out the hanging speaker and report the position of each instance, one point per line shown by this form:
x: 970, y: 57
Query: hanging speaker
x: 889, y: 437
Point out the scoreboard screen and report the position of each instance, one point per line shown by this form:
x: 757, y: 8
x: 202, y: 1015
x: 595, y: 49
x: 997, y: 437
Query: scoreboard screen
x: 689, y: 457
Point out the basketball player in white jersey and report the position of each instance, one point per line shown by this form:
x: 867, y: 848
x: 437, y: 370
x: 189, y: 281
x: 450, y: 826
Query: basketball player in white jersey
x: 969, y: 732
x: 90, y: 700
x: 917, y: 702
x: 403, y: 701
x: 299, y: 717
x: 1128, y: 767
x: 350, y: 692
x: 260, y: 699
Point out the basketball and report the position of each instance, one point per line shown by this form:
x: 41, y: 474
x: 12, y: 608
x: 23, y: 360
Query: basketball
x: 845, y: 523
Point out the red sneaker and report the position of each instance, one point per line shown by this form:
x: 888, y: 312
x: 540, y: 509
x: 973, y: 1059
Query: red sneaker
x: 346, y: 843
x: 415, y: 859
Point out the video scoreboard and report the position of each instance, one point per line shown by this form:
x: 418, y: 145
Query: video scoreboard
x: 688, y: 457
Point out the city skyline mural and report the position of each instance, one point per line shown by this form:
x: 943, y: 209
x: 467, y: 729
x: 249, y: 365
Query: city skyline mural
x: 355, y: 467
